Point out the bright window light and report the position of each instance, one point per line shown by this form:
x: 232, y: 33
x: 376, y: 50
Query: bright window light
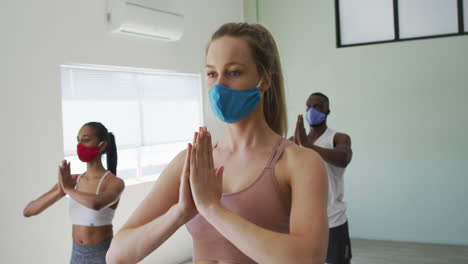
x: 152, y: 114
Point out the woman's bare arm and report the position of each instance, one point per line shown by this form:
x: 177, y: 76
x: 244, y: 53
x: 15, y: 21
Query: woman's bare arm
x: 167, y: 207
x: 99, y: 201
x: 56, y: 193
x: 112, y: 192
x: 35, y: 207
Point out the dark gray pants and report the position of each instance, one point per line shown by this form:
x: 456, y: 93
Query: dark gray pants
x: 90, y: 254
x: 339, y: 245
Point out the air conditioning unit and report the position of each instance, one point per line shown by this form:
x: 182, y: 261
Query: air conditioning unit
x: 134, y: 18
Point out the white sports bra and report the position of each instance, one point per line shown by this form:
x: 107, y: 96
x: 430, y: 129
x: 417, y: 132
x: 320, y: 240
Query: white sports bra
x: 84, y: 216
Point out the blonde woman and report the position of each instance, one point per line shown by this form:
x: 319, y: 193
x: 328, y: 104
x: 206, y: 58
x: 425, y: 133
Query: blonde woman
x: 253, y: 197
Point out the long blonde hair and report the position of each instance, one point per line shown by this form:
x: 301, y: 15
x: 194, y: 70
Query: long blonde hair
x: 265, y: 53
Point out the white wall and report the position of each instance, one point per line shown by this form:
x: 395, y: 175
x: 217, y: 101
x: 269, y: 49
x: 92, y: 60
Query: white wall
x: 37, y: 37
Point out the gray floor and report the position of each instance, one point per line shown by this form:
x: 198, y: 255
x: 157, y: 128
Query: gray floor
x: 386, y: 252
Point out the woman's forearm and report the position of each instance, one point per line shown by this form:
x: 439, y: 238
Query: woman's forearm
x: 262, y: 245
x: 89, y: 200
x: 131, y: 245
x: 40, y: 204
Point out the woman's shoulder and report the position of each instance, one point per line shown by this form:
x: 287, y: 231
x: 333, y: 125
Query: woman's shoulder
x: 301, y: 166
x: 113, y: 182
x: 114, y: 178
x: 296, y: 155
x: 299, y: 159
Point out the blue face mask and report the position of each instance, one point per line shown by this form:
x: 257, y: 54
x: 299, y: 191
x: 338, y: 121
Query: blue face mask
x: 232, y: 106
x: 314, y: 117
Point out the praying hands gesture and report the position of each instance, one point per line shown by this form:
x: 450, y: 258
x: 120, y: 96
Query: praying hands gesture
x: 300, y: 135
x: 205, y: 180
x: 200, y: 182
x: 186, y: 203
x: 65, y: 179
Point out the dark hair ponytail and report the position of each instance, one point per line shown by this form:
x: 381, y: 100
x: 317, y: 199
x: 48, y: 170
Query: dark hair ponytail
x: 111, y: 149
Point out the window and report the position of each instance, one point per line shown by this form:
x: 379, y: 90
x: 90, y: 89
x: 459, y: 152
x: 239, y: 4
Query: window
x: 464, y: 15
x: 152, y: 114
x: 361, y: 22
x: 366, y: 21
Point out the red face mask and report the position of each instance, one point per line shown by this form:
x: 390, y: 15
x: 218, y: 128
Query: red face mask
x: 86, y: 154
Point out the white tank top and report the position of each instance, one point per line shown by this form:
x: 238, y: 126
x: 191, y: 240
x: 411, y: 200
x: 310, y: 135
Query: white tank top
x: 84, y: 216
x: 336, y: 206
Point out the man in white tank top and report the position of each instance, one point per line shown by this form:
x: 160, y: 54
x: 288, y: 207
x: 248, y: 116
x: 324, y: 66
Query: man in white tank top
x: 335, y: 150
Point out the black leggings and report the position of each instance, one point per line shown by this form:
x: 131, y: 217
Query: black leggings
x: 339, y: 245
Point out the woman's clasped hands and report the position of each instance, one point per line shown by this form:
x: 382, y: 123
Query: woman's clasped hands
x: 200, y: 182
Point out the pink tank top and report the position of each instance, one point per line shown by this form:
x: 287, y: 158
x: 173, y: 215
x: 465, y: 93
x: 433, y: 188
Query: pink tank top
x: 260, y: 203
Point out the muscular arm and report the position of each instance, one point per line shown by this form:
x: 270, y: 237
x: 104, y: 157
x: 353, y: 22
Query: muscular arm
x: 154, y: 221
x: 35, y: 207
x: 340, y: 155
x: 97, y: 202
x: 308, y: 237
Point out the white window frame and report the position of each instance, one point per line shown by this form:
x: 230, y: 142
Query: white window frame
x: 162, y: 150
x: 342, y: 38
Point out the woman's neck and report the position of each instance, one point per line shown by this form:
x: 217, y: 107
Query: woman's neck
x: 95, y: 168
x: 250, y: 132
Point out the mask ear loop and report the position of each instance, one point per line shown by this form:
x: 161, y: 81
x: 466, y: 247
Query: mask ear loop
x: 258, y: 86
x: 259, y: 83
x: 99, y: 145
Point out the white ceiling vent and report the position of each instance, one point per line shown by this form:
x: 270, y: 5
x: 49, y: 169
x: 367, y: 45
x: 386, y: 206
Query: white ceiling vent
x: 134, y: 18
